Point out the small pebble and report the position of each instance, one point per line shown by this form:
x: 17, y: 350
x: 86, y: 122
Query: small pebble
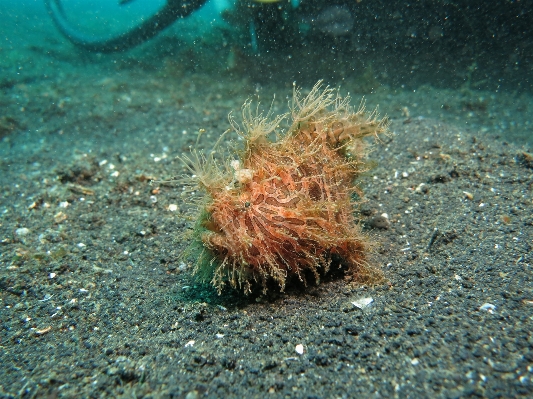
x: 362, y: 303
x: 22, y: 231
x: 192, y: 395
x: 468, y: 195
x: 60, y: 217
x: 422, y: 188
x: 299, y: 349
x: 380, y: 222
x: 489, y: 307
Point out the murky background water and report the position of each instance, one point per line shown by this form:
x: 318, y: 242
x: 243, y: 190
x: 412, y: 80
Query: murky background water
x: 465, y: 60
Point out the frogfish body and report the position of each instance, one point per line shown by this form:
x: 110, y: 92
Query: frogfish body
x: 287, y: 209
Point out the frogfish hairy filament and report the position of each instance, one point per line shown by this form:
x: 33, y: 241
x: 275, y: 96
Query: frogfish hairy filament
x: 284, y: 208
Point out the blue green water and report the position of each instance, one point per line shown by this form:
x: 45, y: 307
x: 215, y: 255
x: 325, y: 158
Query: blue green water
x: 471, y: 59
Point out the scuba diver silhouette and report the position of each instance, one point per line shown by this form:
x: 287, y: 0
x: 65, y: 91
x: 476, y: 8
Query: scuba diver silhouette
x: 170, y: 12
x: 272, y: 24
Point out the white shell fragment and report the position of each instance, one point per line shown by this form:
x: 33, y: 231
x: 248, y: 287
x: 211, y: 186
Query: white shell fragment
x: 189, y: 344
x: 23, y: 231
x: 299, y: 349
x: 489, y: 307
x: 362, y: 303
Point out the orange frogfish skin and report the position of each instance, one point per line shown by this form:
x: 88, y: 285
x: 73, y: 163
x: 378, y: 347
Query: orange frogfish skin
x: 285, y: 208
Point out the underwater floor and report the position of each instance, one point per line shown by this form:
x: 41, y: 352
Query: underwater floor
x: 96, y: 301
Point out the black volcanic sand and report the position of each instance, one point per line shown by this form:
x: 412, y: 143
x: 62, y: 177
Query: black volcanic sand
x: 96, y: 302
